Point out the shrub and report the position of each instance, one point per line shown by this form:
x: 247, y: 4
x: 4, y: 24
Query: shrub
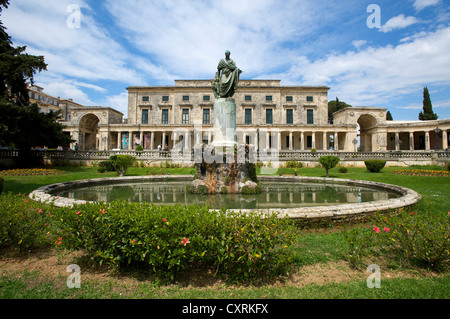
x: 447, y: 166
x: 24, y: 223
x: 328, y: 162
x: 122, y: 163
x: 294, y: 164
x: 375, y: 166
x: 139, y: 148
x: 101, y: 169
x: 423, y: 238
x: 342, y: 169
x: 168, y: 239
x: 2, y: 182
x: 109, y: 165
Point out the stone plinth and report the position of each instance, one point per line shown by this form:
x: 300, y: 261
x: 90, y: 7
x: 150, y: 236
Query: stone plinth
x: 224, y: 122
x: 224, y: 171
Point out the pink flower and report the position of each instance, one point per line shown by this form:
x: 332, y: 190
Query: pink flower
x: 376, y: 229
x: 78, y: 212
x: 103, y: 211
x: 386, y: 229
x: 39, y: 210
x: 185, y: 241
x: 134, y: 240
x: 164, y: 220
x: 59, y: 241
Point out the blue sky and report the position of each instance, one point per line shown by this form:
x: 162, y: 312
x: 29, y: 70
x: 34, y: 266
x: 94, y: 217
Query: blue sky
x: 300, y: 42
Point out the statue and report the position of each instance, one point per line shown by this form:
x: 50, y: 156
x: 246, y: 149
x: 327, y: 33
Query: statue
x: 224, y: 167
x: 227, y: 78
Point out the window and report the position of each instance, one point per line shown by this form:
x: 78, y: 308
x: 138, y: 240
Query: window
x: 206, y: 98
x: 145, y: 99
x: 269, y: 116
x: 165, y: 98
x: 289, y: 99
x: 206, y: 116
x: 269, y: 98
x: 185, y: 116
x: 248, y: 98
x: 248, y: 116
x: 289, y: 116
x: 309, y: 99
x: 144, y: 116
x: 310, y: 116
x: 185, y: 97
x: 165, y: 116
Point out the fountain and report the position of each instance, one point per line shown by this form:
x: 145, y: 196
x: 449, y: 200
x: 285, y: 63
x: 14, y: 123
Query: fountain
x: 225, y: 167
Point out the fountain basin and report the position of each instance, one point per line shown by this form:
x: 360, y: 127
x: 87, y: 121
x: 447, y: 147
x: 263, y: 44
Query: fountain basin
x: 405, y: 197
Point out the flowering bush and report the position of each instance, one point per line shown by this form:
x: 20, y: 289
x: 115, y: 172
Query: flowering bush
x: 168, y: 239
x: 24, y: 223
x: 423, y: 238
x: 31, y: 171
x: 421, y: 172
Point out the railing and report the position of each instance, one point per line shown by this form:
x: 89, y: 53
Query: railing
x: 264, y: 156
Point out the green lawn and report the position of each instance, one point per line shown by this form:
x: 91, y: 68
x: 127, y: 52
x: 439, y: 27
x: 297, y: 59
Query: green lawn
x: 313, y: 247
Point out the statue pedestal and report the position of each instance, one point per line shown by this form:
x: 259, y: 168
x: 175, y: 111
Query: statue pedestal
x: 224, y: 122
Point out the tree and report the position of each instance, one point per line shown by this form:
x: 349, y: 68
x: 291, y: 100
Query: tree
x: 389, y: 116
x: 328, y: 162
x: 122, y: 162
x: 21, y: 124
x: 334, y: 106
x: 427, y: 113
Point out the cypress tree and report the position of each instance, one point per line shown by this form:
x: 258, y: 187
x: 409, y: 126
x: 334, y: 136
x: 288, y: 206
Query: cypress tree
x: 389, y: 116
x: 427, y: 113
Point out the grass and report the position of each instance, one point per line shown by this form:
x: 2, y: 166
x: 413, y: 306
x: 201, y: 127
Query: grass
x: 320, y: 254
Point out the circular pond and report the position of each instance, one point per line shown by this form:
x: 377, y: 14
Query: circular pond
x: 298, y: 197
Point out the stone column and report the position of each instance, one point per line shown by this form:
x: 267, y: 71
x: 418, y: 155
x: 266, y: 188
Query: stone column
x: 427, y: 141
x: 119, y: 140
x: 411, y: 141
x: 267, y: 141
x: 279, y: 140
x: 325, y: 146
x: 302, y: 141
x: 397, y: 141
x: 163, y: 144
x: 444, y: 139
x: 313, y: 137
x: 336, y: 141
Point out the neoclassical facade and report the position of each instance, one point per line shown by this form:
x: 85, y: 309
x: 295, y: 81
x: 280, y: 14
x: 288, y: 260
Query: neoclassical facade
x: 269, y: 116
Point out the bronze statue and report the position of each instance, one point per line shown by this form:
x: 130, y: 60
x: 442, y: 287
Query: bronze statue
x: 227, y: 78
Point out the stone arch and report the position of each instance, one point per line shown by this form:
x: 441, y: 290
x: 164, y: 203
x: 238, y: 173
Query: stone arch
x: 368, y: 124
x: 88, y: 125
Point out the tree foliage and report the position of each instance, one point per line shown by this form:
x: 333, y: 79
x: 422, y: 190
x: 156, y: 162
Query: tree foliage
x: 427, y: 113
x: 329, y: 162
x: 389, y: 116
x: 21, y: 124
x: 334, y: 106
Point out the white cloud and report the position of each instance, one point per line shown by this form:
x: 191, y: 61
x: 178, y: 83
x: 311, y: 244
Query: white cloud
x: 398, y: 22
x: 88, y: 52
x: 359, y: 43
x: 376, y: 76
x: 422, y: 4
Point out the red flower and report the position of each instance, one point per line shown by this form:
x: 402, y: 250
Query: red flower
x: 386, y: 229
x: 39, y: 210
x: 103, y: 211
x: 78, y: 212
x: 185, y: 241
x: 59, y: 241
x: 164, y: 220
x: 376, y: 229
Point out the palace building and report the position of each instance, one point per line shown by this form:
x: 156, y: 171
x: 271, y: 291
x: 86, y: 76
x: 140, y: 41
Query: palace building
x: 268, y: 116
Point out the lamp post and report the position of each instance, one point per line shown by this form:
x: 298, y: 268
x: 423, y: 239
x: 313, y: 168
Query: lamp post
x: 437, y: 130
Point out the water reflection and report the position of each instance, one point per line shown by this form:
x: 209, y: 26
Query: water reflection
x: 275, y: 195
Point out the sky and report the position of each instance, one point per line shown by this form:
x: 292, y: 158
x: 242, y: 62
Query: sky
x: 370, y: 53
